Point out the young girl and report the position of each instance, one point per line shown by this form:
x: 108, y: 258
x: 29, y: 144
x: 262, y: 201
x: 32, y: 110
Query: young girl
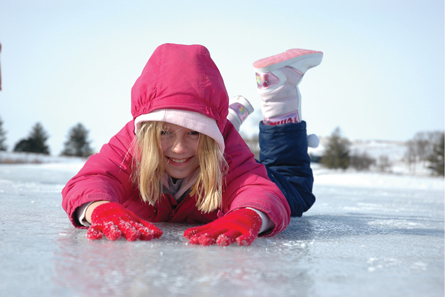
x: 181, y: 160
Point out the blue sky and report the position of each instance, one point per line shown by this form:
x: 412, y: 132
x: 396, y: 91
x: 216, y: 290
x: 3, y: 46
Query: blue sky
x: 64, y: 62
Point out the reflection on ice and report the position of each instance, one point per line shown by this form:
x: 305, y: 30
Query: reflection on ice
x: 355, y: 240
x: 171, y: 266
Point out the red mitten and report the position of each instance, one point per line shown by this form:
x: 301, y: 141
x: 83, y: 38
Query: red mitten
x: 241, y: 225
x: 113, y: 220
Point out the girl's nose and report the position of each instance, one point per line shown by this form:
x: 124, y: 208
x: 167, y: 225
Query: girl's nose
x: 179, y: 146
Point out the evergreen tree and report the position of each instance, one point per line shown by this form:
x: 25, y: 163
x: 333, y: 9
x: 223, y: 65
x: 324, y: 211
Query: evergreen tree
x: 25, y: 145
x: 436, y: 158
x: 77, y: 144
x: 336, y: 154
x: 35, y: 143
x: 3, y: 146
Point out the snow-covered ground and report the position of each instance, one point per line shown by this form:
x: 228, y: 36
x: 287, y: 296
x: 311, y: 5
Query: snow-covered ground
x: 364, y: 179
x: 368, y: 234
x: 33, y: 158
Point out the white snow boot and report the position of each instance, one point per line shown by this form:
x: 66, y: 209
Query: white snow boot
x: 239, y: 109
x: 278, y: 78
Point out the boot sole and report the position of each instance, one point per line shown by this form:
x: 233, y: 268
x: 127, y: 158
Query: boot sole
x: 302, y: 60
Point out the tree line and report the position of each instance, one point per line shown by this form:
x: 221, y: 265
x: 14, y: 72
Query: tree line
x: 77, y: 143
x: 426, y: 148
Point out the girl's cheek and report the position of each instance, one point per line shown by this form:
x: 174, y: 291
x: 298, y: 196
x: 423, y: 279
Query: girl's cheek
x: 164, y: 145
x: 193, y: 141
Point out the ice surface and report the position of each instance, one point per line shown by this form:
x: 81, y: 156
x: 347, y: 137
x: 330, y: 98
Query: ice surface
x: 363, y: 238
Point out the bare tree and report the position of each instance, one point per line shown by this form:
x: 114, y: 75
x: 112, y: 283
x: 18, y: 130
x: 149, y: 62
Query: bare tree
x: 411, y: 156
x: 420, y: 148
x: 384, y: 164
x: 3, y: 146
x: 361, y: 162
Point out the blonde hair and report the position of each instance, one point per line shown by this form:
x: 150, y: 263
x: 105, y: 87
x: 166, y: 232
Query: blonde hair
x: 149, y: 170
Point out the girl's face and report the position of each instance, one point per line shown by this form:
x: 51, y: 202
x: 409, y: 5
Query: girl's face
x: 179, y: 146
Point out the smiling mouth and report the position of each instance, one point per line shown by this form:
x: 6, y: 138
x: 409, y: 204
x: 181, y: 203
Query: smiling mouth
x: 179, y: 160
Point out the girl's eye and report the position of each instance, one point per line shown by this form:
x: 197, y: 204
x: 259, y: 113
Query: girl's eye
x: 194, y: 133
x: 165, y: 132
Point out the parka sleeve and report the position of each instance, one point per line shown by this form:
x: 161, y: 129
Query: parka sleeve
x: 247, y: 184
x: 105, y: 176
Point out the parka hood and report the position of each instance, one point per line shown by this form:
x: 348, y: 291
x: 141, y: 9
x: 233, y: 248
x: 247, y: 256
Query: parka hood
x: 183, y: 78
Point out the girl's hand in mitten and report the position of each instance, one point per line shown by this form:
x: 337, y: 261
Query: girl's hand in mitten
x: 241, y: 225
x: 113, y: 220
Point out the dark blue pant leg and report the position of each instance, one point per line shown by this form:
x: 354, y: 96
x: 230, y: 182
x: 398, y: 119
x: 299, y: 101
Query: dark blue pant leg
x: 283, y: 150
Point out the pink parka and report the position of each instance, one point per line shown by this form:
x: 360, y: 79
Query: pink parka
x: 177, y: 77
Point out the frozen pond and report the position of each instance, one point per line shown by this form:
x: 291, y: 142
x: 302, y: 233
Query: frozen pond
x: 355, y: 241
